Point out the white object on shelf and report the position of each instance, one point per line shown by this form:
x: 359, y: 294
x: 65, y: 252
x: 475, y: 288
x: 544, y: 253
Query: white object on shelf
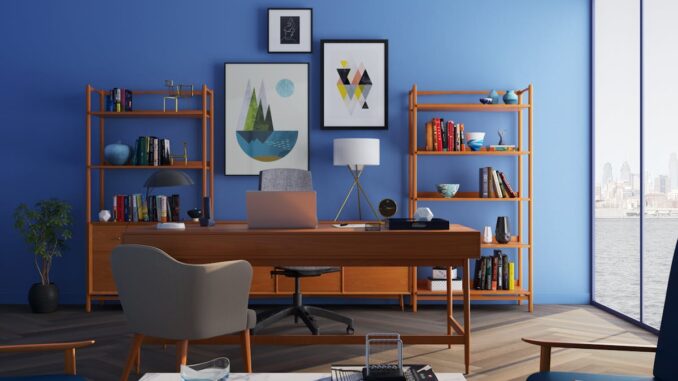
x: 442, y: 273
x: 423, y: 214
x: 171, y: 226
x: 441, y: 285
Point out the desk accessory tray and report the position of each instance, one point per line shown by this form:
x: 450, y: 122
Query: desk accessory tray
x: 355, y: 373
x: 411, y: 224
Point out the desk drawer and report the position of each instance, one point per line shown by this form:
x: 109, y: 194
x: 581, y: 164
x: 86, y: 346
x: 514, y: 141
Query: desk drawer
x: 376, y: 279
x: 104, y: 239
x: 262, y: 281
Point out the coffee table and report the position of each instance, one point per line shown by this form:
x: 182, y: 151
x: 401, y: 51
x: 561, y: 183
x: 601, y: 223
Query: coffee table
x: 280, y: 377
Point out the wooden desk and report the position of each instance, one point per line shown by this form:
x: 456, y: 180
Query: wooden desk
x: 327, y: 246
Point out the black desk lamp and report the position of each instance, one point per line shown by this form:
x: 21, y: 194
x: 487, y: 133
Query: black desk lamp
x: 166, y: 178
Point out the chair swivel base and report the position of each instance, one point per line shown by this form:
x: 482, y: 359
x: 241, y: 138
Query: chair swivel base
x: 306, y: 314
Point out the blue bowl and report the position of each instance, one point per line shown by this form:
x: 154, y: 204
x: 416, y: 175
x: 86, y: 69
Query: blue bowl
x: 447, y: 190
x: 117, y: 153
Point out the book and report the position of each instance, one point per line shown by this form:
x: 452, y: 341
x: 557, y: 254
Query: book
x: 483, y: 185
x: 462, y: 140
x: 495, y: 182
x: 511, y: 280
x: 439, y: 136
x: 128, y: 100
x: 450, y: 135
x: 435, y: 134
x: 458, y: 137
x: 441, y: 285
x: 488, y: 273
x: 476, y: 277
x: 495, y: 265
x: 503, y: 147
x: 500, y: 272
x: 443, y: 133
x: 505, y: 269
x: 509, y: 190
x: 429, y: 137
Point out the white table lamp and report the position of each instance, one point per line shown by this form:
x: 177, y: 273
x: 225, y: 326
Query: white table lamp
x: 356, y: 154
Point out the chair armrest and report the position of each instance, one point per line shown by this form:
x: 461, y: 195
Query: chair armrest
x: 545, y: 358
x: 68, y: 348
x: 45, y: 347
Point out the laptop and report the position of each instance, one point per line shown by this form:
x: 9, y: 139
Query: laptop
x: 281, y: 210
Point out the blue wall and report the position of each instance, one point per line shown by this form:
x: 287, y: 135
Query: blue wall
x: 52, y: 49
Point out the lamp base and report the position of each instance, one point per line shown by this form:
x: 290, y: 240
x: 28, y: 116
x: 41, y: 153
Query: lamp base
x: 356, y: 172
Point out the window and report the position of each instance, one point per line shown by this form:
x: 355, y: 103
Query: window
x: 634, y: 162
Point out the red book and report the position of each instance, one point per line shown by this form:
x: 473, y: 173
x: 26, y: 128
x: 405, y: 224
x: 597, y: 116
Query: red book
x: 511, y: 193
x: 439, y: 134
x: 495, y: 264
x: 120, y: 208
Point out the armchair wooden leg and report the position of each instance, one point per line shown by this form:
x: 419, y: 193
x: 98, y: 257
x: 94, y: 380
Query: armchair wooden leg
x: 182, y: 353
x: 132, y: 355
x: 138, y: 361
x: 545, y: 359
x: 246, y: 350
x: 69, y: 361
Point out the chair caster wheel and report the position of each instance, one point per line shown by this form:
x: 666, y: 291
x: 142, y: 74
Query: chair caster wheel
x: 350, y: 330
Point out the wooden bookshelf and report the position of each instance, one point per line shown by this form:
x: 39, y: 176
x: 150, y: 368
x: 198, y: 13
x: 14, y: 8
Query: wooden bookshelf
x: 522, y: 242
x: 103, y: 236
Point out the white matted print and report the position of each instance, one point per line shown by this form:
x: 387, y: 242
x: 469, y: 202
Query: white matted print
x: 290, y: 30
x: 354, y: 84
x: 266, y: 121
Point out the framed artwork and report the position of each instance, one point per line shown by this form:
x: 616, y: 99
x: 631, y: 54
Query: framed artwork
x: 290, y: 30
x: 266, y: 118
x: 354, y: 86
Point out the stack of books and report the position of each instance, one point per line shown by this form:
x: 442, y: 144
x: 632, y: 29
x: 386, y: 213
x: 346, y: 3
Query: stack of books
x: 494, y: 273
x: 444, y: 136
x: 493, y: 184
x: 438, y: 280
x: 119, y: 100
x: 136, y: 208
x: 150, y: 150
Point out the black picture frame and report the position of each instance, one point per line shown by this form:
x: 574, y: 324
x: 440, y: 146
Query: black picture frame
x: 310, y: 36
x: 308, y: 109
x: 326, y: 42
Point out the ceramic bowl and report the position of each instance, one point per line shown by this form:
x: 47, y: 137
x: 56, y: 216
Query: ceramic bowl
x: 447, y: 190
x: 117, y: 153
x: 475, y: 140
x: 486, y: 101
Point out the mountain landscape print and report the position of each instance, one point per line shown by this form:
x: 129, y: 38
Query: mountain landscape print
x: 256, y: 133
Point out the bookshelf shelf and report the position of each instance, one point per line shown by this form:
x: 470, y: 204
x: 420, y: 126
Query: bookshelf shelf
x: 470, y: 107
x: 189, y: 165
x: 462, y: 196
x: 102, y: 237
x: 439, y: 101
x: 423, y: 152
x: 195, y: 114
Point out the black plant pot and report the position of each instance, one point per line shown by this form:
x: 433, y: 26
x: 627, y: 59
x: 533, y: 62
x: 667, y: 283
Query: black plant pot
x: 503, y: 232
x: 43, y: 298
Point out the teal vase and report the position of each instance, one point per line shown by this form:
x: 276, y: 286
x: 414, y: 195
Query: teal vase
x: 495, y: 97
x: 510, y: 97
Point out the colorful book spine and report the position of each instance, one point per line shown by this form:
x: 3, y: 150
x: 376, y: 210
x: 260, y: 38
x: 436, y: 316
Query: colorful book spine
x: 509, y: 190
x: 512, y: 279
x: 483, y: 185
x: 497, y: 187
x: 429, y: 136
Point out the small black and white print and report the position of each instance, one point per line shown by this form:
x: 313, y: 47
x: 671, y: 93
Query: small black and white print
x: 289, y: 30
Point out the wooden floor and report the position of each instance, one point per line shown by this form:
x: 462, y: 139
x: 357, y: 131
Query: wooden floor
x: 497, y: 352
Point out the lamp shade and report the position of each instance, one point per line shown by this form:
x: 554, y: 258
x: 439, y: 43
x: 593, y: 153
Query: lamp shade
x: 356, y: 151
x: 168, y: 178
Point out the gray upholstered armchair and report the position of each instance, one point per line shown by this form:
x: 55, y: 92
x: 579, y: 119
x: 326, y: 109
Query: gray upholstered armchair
x: 164, y: 298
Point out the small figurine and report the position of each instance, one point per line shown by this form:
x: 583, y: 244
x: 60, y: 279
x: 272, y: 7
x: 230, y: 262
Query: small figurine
x: 501, y: 137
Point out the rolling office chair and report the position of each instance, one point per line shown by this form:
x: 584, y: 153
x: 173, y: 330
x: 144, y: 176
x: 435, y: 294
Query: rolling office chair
x: 291, y: 180
x: 168, y: 299
x: 665, y: 364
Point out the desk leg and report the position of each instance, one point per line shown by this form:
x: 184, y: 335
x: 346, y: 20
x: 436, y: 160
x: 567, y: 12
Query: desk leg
x: 413, y: 295
x: 466, y: 284
x: 450, y: 305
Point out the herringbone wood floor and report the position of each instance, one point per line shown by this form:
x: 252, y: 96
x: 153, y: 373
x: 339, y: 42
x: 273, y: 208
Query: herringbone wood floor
x: 497, y: 351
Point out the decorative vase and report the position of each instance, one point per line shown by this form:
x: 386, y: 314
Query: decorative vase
x: 510, y: 97
x: 475, y: 140
x: 43, y: 298
x: 104, y: 215
x: 487, y: 234
x: 117, y: 153
x: 502, y: 232
x: 495, y: 97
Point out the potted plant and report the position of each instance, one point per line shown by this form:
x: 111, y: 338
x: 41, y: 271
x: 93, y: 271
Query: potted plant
x: 45, y: 228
